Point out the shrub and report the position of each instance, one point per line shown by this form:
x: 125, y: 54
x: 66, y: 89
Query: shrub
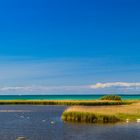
x: 111, y: 97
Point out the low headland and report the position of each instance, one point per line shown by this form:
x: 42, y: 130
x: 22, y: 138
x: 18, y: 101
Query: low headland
x: 129, y: 112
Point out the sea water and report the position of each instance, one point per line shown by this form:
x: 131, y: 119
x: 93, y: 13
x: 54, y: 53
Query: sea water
x: 62, y: 97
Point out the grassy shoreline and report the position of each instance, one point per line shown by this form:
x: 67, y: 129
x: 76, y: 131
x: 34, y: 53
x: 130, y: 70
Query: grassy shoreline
x: 64, y: 102
x: 103, y: 114
x: 91, y: 111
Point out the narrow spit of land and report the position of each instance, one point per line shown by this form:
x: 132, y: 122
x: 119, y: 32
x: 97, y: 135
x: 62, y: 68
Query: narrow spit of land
x: 64, y: 102
x: 103, y: 114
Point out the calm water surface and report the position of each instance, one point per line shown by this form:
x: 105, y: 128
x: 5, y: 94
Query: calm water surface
x: 35, y: 123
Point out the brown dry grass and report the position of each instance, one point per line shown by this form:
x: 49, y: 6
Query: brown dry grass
x: 104, y: 114
x: 109, y: 110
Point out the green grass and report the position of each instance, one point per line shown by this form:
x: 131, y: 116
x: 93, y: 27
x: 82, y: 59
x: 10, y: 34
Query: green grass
x: 111, y: 97
x: 88, y: 117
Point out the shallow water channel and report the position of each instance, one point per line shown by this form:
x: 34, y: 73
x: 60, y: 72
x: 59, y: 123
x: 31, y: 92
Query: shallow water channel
x: 44, y: 123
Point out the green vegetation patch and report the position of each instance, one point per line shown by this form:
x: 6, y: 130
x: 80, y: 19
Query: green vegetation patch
x: 111, y: 97
x: 88, y: 117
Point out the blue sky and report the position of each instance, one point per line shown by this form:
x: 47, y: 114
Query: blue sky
x: 68, y: 47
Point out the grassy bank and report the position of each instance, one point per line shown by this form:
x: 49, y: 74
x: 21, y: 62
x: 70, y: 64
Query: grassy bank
x: 63, y: 102
x: 103, y: 114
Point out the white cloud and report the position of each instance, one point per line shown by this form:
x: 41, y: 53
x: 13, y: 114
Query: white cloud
x: 115, y: 84
x: 42, y: 88
x: 121, y: 86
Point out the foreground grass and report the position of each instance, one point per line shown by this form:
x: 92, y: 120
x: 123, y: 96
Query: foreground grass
x: 63, y: 102
x: 103, y: 114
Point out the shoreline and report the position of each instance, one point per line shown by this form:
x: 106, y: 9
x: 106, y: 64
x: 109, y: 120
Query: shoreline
x: 91, y: 111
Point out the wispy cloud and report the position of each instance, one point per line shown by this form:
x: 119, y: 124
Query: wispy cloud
x: 42, y: 88
x: 115, y: 84
x: 119, y: 86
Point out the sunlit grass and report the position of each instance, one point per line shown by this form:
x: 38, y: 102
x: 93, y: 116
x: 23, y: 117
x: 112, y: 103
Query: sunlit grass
x: 103, y: 114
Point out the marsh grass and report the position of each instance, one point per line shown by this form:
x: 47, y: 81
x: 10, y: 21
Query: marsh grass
x: 89, y: 117
x: 63, y: 102
x: 102, y: 114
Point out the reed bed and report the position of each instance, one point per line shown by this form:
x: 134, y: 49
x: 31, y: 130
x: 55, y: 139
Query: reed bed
x: 104, y: 114
x: 63, y: 102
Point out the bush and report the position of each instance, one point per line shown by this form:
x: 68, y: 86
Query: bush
x: 111, y: 97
